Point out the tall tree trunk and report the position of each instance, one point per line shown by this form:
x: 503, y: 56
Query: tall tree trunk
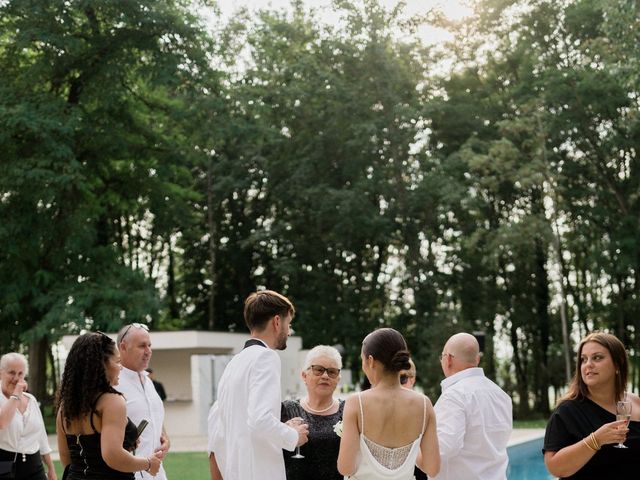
x: 38, y: 353
x: 53, y: 377
x: 542, y: 307
x: 211, y: 317
x: 174, y: 312
x: 489, y: 360
x: 522, y: 384
x: 557, y: 243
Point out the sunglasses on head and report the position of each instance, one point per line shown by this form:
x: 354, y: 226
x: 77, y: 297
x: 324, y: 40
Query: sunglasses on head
x: 319, y: 370
x: 136, y: 325
x: 104, y: 336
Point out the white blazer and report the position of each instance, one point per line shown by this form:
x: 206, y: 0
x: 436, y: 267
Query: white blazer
x: 245, y: 431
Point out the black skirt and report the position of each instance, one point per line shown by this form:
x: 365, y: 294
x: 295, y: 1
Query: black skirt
x: 27, y: 467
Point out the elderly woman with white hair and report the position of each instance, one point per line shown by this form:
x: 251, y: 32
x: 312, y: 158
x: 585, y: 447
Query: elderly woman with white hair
x: 322, y: 413
x: 23, y: 439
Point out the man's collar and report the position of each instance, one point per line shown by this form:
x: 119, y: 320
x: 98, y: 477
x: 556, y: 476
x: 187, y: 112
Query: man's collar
x: 255, y: 341
x: 456, y: 377
x: 132, y: 374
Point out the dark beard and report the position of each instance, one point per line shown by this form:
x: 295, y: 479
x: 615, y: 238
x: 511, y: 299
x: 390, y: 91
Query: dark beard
x: 282, y: 342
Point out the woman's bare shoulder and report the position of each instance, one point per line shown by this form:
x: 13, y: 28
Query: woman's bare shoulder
x: 110, y: 400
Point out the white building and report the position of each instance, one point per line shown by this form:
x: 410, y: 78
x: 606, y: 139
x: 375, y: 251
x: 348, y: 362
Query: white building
x: 189, y: 365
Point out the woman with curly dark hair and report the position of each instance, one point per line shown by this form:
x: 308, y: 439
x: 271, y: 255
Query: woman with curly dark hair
x: 95, y: 437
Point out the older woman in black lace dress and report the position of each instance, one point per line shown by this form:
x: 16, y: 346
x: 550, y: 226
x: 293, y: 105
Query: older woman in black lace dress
x: 322, y: 412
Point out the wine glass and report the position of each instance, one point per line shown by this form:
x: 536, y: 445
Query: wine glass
x: 623, y: 412
x: 299, y: 455
x: 295, y: 413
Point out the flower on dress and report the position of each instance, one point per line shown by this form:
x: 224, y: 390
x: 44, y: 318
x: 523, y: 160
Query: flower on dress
x: 338, y: 428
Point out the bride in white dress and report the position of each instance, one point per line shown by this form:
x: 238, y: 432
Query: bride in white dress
x: 387, y: 429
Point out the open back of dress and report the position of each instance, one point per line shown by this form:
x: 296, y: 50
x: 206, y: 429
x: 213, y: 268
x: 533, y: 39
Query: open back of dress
x: 377, y: 462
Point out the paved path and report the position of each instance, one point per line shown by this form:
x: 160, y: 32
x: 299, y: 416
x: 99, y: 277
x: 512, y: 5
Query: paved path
x: 522, y: 435
x: 199, y: 444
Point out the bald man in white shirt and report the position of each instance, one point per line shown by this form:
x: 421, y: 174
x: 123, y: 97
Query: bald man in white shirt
x: 475, y: 417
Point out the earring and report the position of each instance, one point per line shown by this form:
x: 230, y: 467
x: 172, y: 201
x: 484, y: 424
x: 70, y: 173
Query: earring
x: 617, y: 372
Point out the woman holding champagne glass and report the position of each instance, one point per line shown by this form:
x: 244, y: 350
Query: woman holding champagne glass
x: 317, y: 459
x: 595, y: 430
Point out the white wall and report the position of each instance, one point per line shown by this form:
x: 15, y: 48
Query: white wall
x: 182, y: 361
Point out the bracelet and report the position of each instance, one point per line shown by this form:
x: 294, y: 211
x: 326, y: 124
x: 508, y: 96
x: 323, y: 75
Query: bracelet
x: 592, y: 442
x: 584, y: 440
x: 15, y: 397
x: 149, y: 467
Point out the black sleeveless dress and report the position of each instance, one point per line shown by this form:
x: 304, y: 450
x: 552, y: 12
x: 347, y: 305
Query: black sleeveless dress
x: 86, y: 456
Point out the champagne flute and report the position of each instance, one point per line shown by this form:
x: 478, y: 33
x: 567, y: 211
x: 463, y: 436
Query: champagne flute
x: 623, y: 412
x: 297, y: 419
x: 299, y: 455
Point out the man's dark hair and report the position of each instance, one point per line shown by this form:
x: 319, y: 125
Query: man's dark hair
x: 260, y: 307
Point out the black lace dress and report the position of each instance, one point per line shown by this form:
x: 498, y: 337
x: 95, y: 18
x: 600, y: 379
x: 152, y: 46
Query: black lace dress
x: 320, y: 453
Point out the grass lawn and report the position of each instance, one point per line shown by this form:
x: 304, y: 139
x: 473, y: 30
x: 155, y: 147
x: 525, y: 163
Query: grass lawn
x: 179, y: 466
x: 530, y: 423
x: 195, y: 465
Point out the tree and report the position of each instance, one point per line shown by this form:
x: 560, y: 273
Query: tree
x: 89, y: 172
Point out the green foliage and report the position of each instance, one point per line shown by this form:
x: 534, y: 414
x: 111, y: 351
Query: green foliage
x: 88, y: 89
x: 155, y: 171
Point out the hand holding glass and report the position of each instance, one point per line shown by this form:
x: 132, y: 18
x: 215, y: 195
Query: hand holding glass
x: 294, y: 422
x: 623, y: 412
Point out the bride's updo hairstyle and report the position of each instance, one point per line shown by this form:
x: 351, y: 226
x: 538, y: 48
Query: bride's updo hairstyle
x: 389, y: 347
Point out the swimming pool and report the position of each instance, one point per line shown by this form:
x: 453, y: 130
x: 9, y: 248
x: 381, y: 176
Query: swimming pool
x: 526, y: 463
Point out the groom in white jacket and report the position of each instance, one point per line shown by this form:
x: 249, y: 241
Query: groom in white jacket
x: 246, y: 436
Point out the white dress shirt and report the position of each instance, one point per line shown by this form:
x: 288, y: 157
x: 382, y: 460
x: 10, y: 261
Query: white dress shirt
x: 26, y: 433
x: 245, y: 431
x: 474, y: 418
x: 143, y: 402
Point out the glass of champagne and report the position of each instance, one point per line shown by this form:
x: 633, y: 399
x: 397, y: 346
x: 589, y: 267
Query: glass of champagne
x: 623, y: 412
x: 298, y: 421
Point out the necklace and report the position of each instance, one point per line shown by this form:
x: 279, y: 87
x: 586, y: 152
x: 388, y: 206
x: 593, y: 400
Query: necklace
x: 306, y: 401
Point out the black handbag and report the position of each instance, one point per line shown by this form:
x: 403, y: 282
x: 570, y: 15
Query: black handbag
x: 7, y: 469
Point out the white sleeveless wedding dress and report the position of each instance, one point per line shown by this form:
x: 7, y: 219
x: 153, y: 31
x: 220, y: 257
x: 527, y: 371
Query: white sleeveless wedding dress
x: 377, y: 462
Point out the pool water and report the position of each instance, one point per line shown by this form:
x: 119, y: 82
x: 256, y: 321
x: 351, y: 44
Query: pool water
x: 526, y: 463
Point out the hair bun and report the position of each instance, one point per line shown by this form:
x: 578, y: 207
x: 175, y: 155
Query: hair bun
x: 400, y: 361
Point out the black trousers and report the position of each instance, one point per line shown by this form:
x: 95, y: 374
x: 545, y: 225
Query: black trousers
x: 28, y: 467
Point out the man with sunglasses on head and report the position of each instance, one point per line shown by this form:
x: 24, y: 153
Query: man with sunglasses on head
x: 246, y: 436
x: 474, y: 416
x: 143, y: 401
